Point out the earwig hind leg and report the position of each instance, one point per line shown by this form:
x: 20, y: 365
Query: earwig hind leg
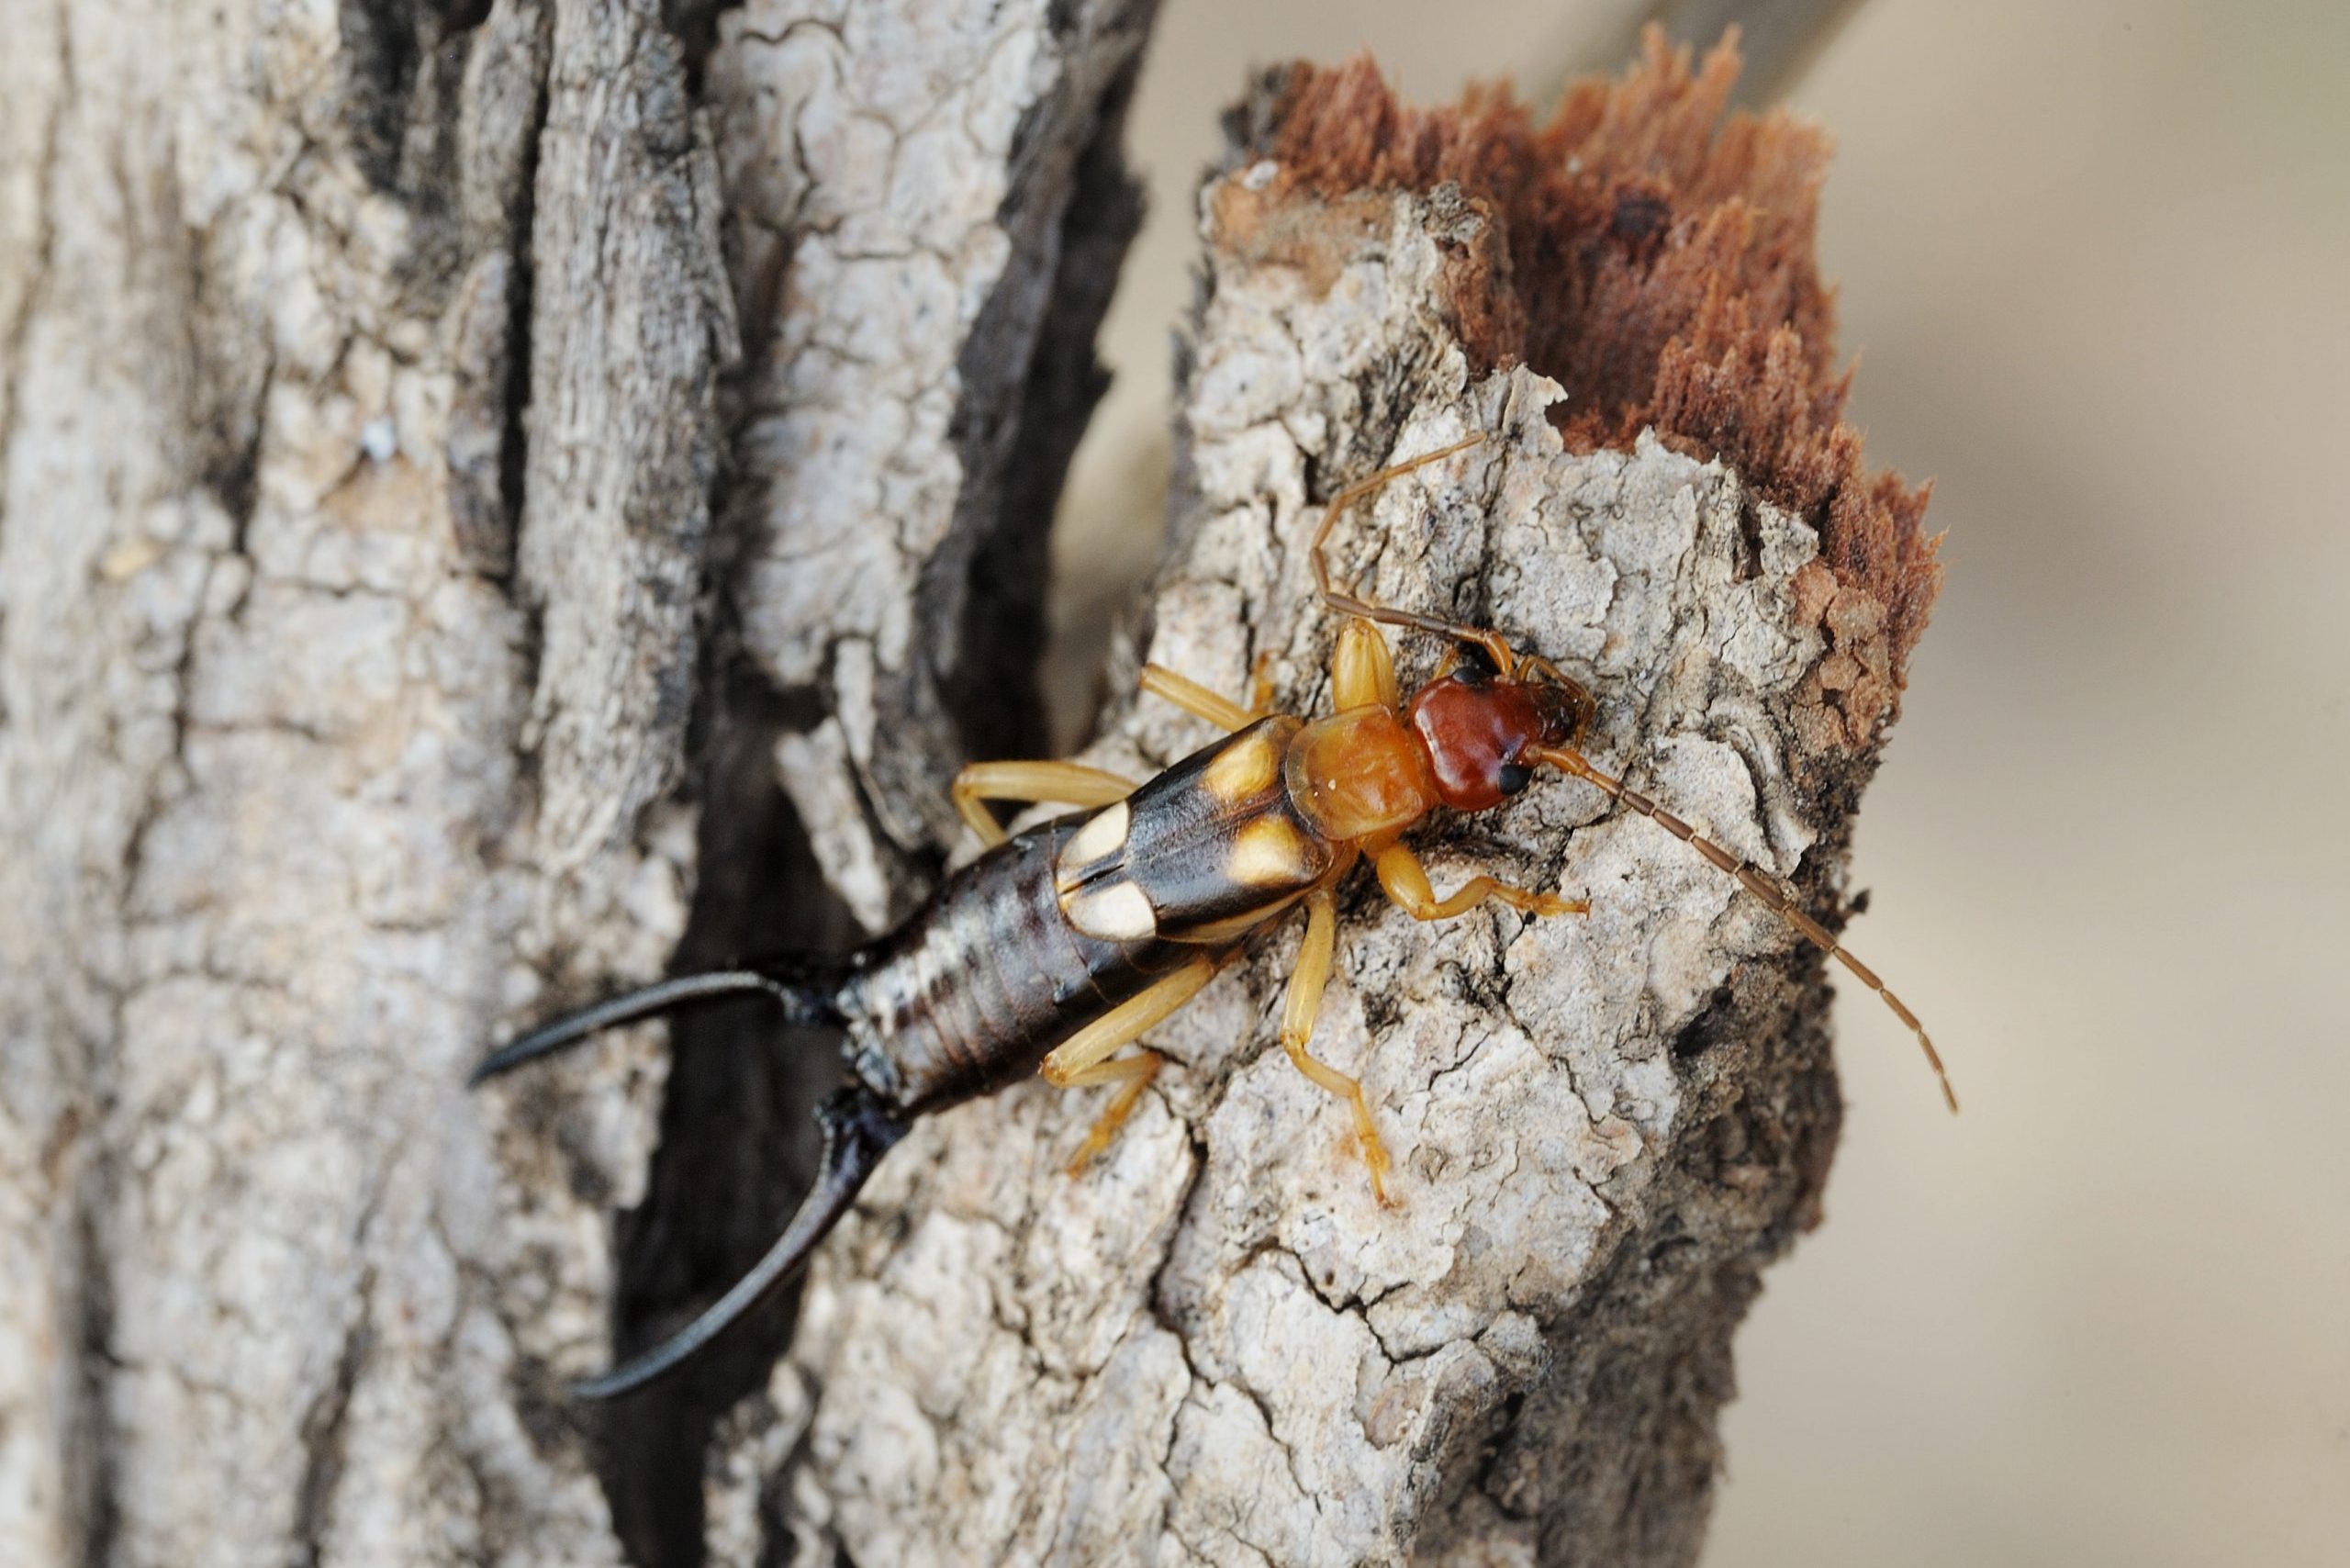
x: 1083, y: 1057
x: 1405, y: 881
x: 1136, y: 1073
x: 1196, y: 699
x: 1304, y: 1000
x: 857, y: 1132
x: 1072, y: 783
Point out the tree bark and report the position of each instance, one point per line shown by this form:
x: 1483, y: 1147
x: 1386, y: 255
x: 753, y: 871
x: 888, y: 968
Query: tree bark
x: 363, y: 438
x: 499, y: 500
x: 1214, y: 1346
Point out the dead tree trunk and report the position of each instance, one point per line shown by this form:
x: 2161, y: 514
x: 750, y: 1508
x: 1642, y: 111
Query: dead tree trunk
x: 422, y: 604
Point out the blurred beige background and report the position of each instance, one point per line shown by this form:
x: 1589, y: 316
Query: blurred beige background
x: 2097, y: 258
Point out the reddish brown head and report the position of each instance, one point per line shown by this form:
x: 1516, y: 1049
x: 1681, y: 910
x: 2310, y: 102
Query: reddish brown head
x: 1478, y: 726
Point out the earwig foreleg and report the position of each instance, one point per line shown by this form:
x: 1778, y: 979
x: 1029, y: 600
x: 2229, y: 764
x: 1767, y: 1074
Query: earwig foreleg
x: 1070, y: 783
x: 1136, y: 1073
x: 1405, y: 881
x: 1304, y: 1000
x: 1361, y: 670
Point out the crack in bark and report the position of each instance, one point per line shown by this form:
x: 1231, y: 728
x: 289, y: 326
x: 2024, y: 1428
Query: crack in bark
x: 323, y: 1424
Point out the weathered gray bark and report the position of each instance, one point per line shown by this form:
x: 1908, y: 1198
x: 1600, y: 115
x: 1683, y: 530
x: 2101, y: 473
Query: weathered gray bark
x: 422, y: 604
x: 359, y: 435
x: 1214, y: 1346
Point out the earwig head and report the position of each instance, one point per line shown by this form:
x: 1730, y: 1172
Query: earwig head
x: 1479, y: 726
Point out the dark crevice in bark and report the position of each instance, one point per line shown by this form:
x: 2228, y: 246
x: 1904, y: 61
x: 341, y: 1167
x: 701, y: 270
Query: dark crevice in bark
x: 486, y: 487
x: 90, y: 1446
x: 322, y: 1432
x: 738, y: 1141
x: 513, y: 377
x: 993, y: 688
x: 1028, y: 364
x: 382, y: 43
x: 694, y: 24
x: 463, y: 16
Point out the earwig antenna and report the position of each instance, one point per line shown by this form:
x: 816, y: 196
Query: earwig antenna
x: 1755, y: 883
x: 857, y: 1132
x: 805, y: 996
x: 1346, y: 602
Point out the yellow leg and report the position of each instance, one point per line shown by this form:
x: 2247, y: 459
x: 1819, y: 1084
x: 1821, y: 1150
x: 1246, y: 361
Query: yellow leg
x: 1072, y: 782
x: 1305, y: 983
x: 1193, y: 697
x: 1136, y: 1073
x: 1082, y: 1059
x: 1406, y: 881
x: 1127, y: 1021
x: 1362, y: 672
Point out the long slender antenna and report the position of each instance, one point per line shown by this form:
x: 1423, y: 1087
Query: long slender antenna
x: 1346, y: 602
x: 1748, y: 877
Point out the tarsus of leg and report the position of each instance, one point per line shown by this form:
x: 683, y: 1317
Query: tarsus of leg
x: 1136, y: 1073
x: 1304, y: 1000
x: 1405, y: 881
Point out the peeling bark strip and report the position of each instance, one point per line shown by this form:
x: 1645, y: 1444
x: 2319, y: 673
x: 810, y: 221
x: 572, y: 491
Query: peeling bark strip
x: 1213, y: 1347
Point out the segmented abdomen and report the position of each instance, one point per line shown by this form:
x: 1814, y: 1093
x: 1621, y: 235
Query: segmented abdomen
x: 971, y: 992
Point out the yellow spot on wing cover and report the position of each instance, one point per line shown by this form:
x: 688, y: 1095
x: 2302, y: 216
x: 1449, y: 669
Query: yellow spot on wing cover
x: 1267, y: 853
x: 1243, y: 769
x: 1103, y: 835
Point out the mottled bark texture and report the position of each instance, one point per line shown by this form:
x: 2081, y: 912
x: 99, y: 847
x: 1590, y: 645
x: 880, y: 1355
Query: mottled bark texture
x: 499, y: 498
x: 1214, y: 1346
x: 363, y: 483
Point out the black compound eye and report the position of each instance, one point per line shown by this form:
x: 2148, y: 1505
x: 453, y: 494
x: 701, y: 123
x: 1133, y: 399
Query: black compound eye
x: 1514, y: 776
x: 1473, y: 666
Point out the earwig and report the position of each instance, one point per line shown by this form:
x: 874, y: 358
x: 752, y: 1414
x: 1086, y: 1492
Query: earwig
x: 1059, y: 947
